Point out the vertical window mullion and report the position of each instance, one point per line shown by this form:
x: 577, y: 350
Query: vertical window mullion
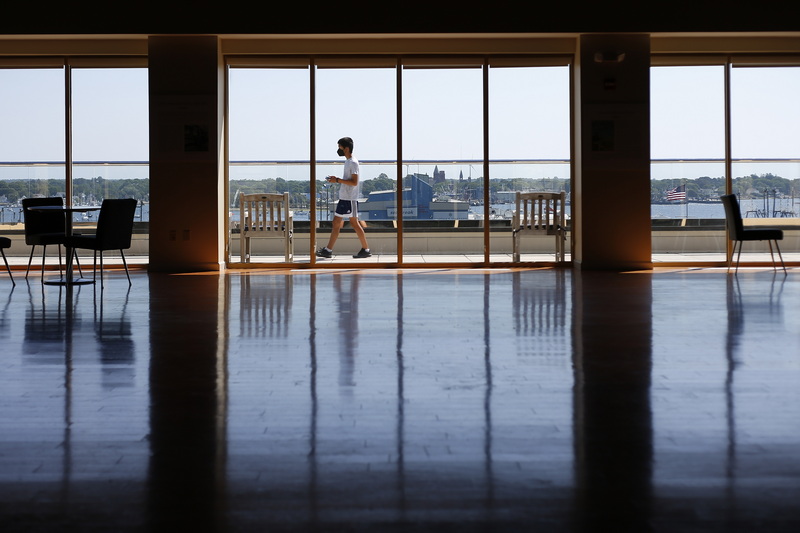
x: 68, y: 133
x: 486, y: 189
x: 312, y: 158
x: 728, y: 154
x: 399, y: 183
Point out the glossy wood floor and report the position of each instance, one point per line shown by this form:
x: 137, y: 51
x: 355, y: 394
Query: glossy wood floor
x: 530, y: 400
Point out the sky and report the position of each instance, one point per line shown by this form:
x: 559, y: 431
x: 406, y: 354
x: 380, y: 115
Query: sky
x: 442, y: 118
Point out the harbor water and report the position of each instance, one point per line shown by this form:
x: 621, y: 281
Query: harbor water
x: 755, y: 208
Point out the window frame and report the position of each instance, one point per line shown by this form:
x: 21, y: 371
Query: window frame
x: 399, y: 62
x: 728, y: 61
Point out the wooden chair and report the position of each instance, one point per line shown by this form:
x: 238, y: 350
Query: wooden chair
x: 537, y: 214
x: 738, y: 233
x: 265, y: 216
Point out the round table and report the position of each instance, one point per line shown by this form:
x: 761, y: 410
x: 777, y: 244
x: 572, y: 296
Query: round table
x: 68, y: 279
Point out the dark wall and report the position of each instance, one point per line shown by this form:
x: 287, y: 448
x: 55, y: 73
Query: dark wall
x: 411, y: 16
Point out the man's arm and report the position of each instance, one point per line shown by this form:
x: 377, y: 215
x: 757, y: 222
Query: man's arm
x: 353, y: 179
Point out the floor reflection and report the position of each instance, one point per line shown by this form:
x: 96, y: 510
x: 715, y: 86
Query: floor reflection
x: 313, y: 467
x: 116, y: 344
x: 403, y: 397
x: 345, y: 300
x: 725, y: 375
x: 613, y: 418
x: 188, y: 405
x: 65, y: 426
x: 265, y: 305
x: 402, y: 499
x: 46, y: 324
x: 5, y: 316
x: 402, y: 400
x: 755, y: 307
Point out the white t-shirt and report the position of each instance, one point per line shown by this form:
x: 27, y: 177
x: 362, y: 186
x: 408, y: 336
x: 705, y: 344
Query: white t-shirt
x: 349, y: 192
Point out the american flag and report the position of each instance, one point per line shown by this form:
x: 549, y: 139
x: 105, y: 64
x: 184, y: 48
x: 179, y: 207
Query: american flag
x: 678, y: 193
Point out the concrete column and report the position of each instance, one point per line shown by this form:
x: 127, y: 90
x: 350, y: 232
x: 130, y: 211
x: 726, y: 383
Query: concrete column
x: 611, y: 200
x: 186, y: 157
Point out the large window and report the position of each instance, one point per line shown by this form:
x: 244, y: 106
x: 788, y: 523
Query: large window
x: 359, y: 103
x: 702, y: 149
x: 269, y: 146
x: 764, y: 145
x: 102, y: 154
x: 110, y: 142
x: 32, y: 138
x: 443, y: 155
x: 529, y: 147
x: 431, y: 149
x: 687, y: 123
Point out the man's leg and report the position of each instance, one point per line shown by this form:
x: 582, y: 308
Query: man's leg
x: 362, y: 236
x: 336, y: 227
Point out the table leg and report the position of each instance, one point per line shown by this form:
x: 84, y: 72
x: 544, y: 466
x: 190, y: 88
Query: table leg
x: 68, y: 278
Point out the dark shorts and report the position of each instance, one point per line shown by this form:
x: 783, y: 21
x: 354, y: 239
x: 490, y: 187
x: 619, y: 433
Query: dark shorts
x: 347, y: 209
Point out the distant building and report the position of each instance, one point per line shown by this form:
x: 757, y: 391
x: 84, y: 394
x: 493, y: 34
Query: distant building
x: 438, y: 175
x: 418, y: 204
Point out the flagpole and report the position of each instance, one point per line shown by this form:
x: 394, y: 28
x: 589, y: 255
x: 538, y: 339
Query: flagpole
x: 685, y: 202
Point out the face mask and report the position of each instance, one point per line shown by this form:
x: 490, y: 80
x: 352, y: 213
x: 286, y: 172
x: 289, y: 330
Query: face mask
x: 340, y: 151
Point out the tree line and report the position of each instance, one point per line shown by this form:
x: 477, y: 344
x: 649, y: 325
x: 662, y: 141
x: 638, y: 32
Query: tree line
x: 299, y: 190
x: 94, y: 190
x: 85, y: 190
x: 706, y: 188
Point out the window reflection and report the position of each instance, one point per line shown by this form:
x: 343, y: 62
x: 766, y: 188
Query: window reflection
x: 387, y: 372
x: 749, y: 308
x: 266, y: 304
x: 114, y: 334
x: 540, y: 316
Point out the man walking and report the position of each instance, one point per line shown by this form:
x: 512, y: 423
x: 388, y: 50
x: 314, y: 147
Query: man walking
x: 347, y: 206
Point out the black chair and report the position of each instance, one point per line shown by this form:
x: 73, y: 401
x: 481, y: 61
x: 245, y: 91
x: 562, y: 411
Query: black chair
x: 738, y: 233
x: 5, y: 242
x: 43, y: 228
x: 114, y: 232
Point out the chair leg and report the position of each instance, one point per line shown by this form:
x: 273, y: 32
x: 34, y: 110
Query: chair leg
x: 44, y: 254
x: 772, y: 255
x: 94, y: 268
x: 733, y: 252
x: 560, y: 246
x: 77, y: 261
x: 738, y: 256
x: 730, y: 257
x: 30, y: 259
x: 8, y: 268
x: 515, y: 246
x: 783, y: 265
x: 126, y: 267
